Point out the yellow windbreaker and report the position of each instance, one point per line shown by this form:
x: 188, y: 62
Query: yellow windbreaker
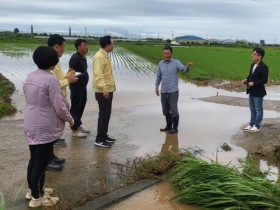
x: 103, y: 80
x: 62, y: 78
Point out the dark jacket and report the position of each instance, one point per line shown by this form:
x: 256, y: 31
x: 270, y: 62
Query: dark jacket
x: 259, y: 77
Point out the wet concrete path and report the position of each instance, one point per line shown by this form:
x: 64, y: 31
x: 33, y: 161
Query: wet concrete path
x: 135, y: 123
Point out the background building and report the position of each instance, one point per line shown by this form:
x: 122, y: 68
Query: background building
x: 189, y: 39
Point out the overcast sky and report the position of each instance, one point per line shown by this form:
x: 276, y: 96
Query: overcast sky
x: 236, y: 19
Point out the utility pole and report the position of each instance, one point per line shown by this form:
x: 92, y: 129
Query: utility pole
x: 31, y: 31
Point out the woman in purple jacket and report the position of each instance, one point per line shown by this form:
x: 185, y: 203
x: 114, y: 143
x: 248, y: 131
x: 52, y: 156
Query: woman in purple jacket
x: 45, y: 115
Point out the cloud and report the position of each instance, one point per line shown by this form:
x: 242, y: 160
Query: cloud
x: 249, y: 19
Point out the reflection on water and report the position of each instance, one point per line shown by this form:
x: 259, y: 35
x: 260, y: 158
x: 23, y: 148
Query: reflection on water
x: 261, y: 167
x: 171, y: 143
x: 153, y: 198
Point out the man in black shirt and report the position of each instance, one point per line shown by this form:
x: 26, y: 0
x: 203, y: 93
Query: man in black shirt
x: 78, y: 91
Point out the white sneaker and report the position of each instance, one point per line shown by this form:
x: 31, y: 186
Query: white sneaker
x: 43, y: 201
x: 79, y: 134
x: 254, y: 129
x: 84, y: 130
x: 47, y: 191
x: 247, y: 128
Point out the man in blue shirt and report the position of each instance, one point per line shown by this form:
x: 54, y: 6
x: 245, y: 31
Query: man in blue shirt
x: 167, y: 75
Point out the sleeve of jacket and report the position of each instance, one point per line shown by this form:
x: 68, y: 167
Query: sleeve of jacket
x: 58, y: 101
x: 264, y: 76
x: 99, y: 78
x: 63, y: 83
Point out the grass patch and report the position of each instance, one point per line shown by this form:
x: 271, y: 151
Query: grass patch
x: 2, y: 201
x: 215, y: 186
x: 6, y: 90
x: 148, y: 166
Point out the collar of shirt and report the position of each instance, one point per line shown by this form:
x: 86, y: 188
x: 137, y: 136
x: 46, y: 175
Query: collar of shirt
x: 80, y: 55
x: 107, y: 54
x: 254, y: 67
x: 164, y: 61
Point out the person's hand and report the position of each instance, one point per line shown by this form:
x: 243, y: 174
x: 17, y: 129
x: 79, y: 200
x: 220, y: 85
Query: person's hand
x: 71, y: 123
x: 244, y: 81
x: 71, y: 71
x: 106, y: 95
x: 251, y: 84
x: 188, y: 65
x: 72, y: 79
x: 157, y: 91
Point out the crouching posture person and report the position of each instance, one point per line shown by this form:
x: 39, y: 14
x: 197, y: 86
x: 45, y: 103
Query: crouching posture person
x: 45, y: 115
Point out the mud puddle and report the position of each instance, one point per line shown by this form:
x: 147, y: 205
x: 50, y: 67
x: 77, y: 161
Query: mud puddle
x: 158, y: 196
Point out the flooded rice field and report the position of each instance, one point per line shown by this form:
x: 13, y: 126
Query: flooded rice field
x: 136, y: 120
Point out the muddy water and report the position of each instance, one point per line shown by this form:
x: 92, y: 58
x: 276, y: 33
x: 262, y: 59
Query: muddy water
x: 135, y: 123
x: 156, y: 197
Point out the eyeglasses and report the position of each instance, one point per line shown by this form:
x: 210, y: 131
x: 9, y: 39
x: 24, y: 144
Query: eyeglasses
x: 256, y: 54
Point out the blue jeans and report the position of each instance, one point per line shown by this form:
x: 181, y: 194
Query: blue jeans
x: 256, y: 108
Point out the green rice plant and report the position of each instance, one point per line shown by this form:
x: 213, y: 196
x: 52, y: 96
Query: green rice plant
x: 2, y: 201
x: 215, y: 186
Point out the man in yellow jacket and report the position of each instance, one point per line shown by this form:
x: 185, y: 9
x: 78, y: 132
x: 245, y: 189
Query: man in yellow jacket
x: 104, y: 86
x: 57, y: 42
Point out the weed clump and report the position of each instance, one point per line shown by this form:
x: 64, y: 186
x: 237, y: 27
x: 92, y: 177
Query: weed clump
x: 6, y: 90
x: 149, y: 166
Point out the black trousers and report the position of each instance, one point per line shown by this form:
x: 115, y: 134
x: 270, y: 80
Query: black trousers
x: 40, y: 156
x: 78, y: 96
x: 105, y: 108
x: 169, y: 102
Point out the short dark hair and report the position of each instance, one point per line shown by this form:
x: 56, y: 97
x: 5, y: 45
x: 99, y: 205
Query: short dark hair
x: 78, y: 42
x: 55, y: 39
x: 168, y: 48
x: 45, y: 57
x: 260, y: 51
x: 105, y: 40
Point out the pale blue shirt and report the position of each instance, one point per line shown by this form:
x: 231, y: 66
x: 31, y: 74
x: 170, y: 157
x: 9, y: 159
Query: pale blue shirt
x: 167, y: 75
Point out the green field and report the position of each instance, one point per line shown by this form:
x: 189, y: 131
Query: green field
x: 210, y: 62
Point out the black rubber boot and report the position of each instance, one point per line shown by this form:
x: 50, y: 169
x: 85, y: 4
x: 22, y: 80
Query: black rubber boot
x: 175, y: 121
x: 168, y: 126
